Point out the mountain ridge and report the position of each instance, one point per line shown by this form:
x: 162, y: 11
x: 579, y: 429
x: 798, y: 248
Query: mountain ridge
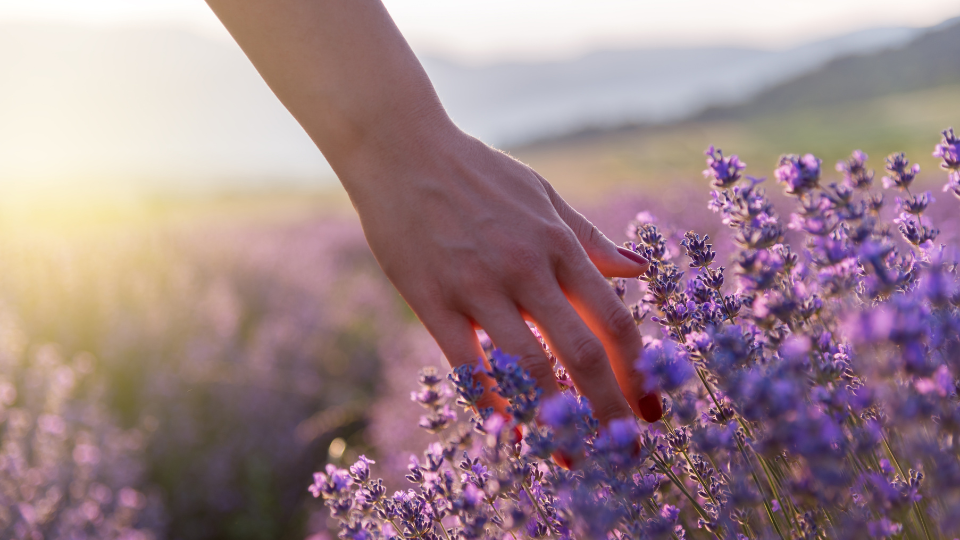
x: 932, y: 59
x: 166, y: 109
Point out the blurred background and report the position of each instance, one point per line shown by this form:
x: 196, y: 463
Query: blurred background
x: 190, y: 320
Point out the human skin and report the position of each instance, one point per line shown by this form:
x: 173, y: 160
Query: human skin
x: 470, y: 237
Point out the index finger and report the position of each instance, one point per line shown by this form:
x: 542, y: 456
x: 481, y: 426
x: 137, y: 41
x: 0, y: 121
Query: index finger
x: 579, y: 350
x: 455, y: 335
x: 607, y: 317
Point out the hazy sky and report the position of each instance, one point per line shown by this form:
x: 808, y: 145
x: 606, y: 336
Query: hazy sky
x: 537, y: 29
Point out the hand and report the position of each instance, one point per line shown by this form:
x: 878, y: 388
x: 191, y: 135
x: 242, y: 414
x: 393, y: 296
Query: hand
x: 470, y: 237
x: 475, y: 239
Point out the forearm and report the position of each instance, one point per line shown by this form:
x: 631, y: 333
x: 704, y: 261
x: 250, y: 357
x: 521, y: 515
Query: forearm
x: 345, y: 72
x: 469, y: 236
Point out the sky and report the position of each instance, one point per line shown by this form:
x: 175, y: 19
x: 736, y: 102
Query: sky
x: 491, y: 30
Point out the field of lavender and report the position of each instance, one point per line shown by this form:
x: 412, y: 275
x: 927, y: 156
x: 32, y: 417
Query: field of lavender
x: 810, y: 391
x: 183, y: 380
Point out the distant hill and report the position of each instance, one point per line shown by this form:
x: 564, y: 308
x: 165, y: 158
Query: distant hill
x: 162, y: 108
x: 930, y: 60
x: 514, y: 103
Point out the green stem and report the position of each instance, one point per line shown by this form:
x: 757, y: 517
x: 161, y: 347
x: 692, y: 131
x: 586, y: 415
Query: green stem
x: 673, y: 478
x: 443, y: 529
x: 916, y: 505
x: 499, y: 516
x: 656, y: 510
x: 549, y: 523
x: 690, y: 464
x: 766, y: 504
x: 773, y: 487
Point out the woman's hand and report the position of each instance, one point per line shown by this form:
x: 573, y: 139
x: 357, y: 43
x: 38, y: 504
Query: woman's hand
x: 470, y: 237
x: 473, y: 239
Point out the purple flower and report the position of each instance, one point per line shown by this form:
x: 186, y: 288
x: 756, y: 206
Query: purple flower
x: 664, y: 365
x: 670, y: 513
x: 854, y: 169
x: 469, y: 388
x: 361, y: 469
x: 953, y: 184
x: 915, y: 204
x: 884, y: 528
x: 915, y: 231
x: 949, y: 151
x: 330, y: 483
x: 723, y: 171
x: 901, y: 174
x: 698, y: 249
x: 560, y: 410
x: 799, y: 173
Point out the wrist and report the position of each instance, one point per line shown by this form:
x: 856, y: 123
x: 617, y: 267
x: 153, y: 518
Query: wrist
x: 399, y: 151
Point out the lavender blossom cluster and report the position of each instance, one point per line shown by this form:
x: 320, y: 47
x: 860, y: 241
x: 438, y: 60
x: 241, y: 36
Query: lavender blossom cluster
x: 810, y: 391
x: 66, y: 471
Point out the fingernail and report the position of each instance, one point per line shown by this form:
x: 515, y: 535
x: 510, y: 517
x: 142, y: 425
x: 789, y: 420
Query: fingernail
x: 635, y: 449
x: 563, y: 460
x: 635, y: 257
x: 650, y: 407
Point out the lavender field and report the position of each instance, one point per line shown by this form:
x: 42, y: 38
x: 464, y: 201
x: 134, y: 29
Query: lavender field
x: 809, y: 384
x: 183, y: 380
x: 182, y: 373
x: 184, y: 383
x: 197, y: 343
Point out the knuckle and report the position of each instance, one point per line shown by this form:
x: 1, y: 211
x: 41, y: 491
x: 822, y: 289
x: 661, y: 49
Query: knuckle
x: 594, y: 236
x: 589, y: 356
x: 620, y: 326
x: 470, y: 278
x: 567, y: 245
x: 559, y: 234
x: 537, y: 366
x: 466, y: 292
x: 611, y: 409
x: 488, y: 400
x: 523, y: 260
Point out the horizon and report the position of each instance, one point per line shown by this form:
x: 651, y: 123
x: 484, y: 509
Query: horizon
x: 543, y: 30
x: 103, y: 120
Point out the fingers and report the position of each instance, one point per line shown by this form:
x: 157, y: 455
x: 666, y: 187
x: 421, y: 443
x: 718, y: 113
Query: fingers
x: 457, y: 339
x: 510, y: 333
x: 609, y: 320
x: 609, y: 259
x: 579, y: 350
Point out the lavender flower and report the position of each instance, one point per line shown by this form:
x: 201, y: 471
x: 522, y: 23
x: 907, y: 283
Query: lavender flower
x: 800, y: 174
x: 949, y: 152
x: 854, y: 169
x: 915, y: 204
x: 901, y: 174
x: 723, y: 171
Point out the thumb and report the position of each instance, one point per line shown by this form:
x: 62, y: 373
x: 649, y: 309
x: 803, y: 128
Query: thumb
x: 610, y: 260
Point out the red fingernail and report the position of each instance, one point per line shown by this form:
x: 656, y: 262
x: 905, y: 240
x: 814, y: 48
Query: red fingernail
x: 563, y: 460
x: 635, y: 257
x: 517, y: 435
x: 635, y: 449
x: 651, y: 409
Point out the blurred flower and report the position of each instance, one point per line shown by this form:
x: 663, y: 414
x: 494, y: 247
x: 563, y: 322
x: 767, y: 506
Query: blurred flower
x: 901, y: 174
x: 800, y: 174
x: 855, y: 172
x: 723, y: 171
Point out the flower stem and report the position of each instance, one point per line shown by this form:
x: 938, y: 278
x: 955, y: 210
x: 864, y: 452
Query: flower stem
x: 916, y: 505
